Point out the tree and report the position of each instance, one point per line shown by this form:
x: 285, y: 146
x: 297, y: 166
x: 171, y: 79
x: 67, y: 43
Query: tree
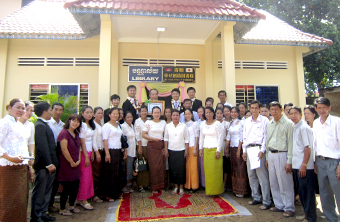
x: 317, y: 17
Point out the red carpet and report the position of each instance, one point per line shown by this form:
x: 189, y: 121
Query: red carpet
x: 147, y: 206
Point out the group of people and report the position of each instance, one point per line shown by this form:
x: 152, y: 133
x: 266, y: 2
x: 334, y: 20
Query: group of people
x: 268, y: 152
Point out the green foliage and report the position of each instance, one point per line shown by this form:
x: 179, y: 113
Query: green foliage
x: 70, y: 103
x: 318, y: 17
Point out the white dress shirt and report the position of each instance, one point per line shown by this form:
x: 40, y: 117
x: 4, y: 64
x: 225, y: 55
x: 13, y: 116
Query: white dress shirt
x: 235, y: 132
x: 112, y: 135
x: 13, y: 140
x: 129, y: 132
x: 177, y: 136
x: 194, y: 132
x: 56, y: 128
x: 99, y: 137
x: 228, y: 104
x: 255, y: 132
x: 327, y: 137
x: 90, y: 137
x: 176, y: 103
x: 211, y: 136
x: 302, y: 137
x: 155, y: 130
x: 139, y: 125
x: 182, y: 118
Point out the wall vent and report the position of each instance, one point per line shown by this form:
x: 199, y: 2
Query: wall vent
x: 58, y: 61
x: 161, y: 62
x: 257, y: 64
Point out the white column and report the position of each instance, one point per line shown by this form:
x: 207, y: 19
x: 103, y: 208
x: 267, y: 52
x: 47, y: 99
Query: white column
x: 228, y: 61
x: 300, y: 75
x: 3, y: 67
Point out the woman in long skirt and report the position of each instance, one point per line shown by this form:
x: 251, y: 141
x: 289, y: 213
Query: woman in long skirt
x: 154, y: 132
x: 211, y: 138
x: 238, y: 165
x: 143, y: 176
x: 192, y: 180
x: 88, y: 137
x: 111, y: 178
x: 13, y: 168
x: 200, y: 113
x: 97, y: 163
x: 226, y: 158
x: 176, y: 143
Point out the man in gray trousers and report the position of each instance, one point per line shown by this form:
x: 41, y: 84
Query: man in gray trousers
x: 279, y: 160
x: 254, y: 137
x: 327, y: 146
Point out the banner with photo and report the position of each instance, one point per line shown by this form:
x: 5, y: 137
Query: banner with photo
x: 145, y: 74
x: 178, y: 74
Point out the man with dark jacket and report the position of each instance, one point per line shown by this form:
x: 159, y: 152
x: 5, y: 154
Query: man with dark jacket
x: 131, y: 103
x: 45, y: 164
x: 195, y: 103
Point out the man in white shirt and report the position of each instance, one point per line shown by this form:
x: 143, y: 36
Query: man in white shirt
x: 55, y: 123
x: 254, y: 137
x: 56, y: 126
x: 222, y: 95
x: 303, y: 164
x: 327, y: 146
x: 187, y: 105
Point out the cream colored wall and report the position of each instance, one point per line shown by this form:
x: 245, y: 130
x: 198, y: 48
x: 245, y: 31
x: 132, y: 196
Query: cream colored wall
x: 18, y: 78
x: 285, y: 79
x: 9, y: 6
x: 166, y: 51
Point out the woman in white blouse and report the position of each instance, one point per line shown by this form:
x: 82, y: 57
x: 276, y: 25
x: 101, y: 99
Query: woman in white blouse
x: 143, y: 176
x: 129, y: 132
x: 13, y: 168
x: 87, y: 133
x: 192, y: 179
x: 200, y: 113
x: 176, y: 144
x: 30, y: 133
x: 234, y: 145
x: 111, y: 182
x: 96, y: 164
x: 153, y: 131
x: 211, y: 138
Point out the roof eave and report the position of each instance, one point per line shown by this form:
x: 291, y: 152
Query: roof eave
x: 112, y: 11
x: 42, y: 36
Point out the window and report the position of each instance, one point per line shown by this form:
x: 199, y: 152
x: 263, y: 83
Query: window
x: 80, y: 90
x: 264, y: 94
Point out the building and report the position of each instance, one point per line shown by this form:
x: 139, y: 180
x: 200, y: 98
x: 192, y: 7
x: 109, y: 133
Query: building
x: 86, y: 47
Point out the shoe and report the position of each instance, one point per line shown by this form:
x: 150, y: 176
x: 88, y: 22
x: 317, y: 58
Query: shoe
x: 288, y: 213
x: 87, y: 206
x: 65, y: 213
x: 126, y: 190
x: 300, y: 218
x: 254, y: 202
x: 97, y: 199
x: 48, y: 218
x: 130, y: 190
x: 175, y: 191
x: 141, y: 189
x: 239, y: 195
x: 181, y: 192
x: 264, y: 207
x: 274, y: 209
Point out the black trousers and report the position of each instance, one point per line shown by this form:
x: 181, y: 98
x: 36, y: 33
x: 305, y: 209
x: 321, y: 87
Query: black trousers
x: 41, y: 193
x: 70, y: 190
x: 55, y: 187
x: 306, y: 189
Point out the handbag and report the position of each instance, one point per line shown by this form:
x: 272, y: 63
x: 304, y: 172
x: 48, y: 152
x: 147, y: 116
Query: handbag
x: 141, y: 165
x: 123, y: 140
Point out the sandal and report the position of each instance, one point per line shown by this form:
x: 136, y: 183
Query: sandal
x: 87, y: 206
x: 239, y: 195
x: 75, y: 210
x: 141, y: 189
x: 254, y: 202
x: 288, y: 213
x: 181, y: 192
x: 175, y: 191
x: 274, y: 209
x: 108, y: 199
x: 97, y: 199
x: 264, y: 207
x: 65, y: 213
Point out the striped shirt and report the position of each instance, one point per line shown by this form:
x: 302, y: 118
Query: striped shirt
x: 280, y: 137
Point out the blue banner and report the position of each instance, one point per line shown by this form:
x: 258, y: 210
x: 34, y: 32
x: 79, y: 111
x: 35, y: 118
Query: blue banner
x: 145, y: 73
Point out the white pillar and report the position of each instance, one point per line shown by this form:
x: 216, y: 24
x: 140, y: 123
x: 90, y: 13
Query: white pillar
x: 300, y: 75
x: 3, y: 67
x: 228, y: 61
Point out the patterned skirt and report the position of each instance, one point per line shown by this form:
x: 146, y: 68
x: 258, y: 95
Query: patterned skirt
x: 156, y: 165
x: 239, y: 175
x: 13, y: 193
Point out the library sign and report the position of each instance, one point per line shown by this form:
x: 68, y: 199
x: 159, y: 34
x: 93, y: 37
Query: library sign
x: 145, y: 73
x: 178, y: 74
